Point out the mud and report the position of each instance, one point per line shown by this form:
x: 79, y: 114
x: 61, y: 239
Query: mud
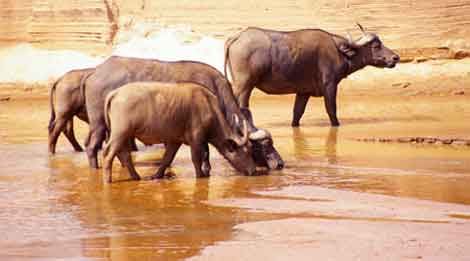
x: 335, y: 192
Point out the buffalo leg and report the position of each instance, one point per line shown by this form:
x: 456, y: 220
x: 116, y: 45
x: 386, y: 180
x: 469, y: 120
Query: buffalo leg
x: 126, y: 160
x: 58, y: 127
x: 133, y: 145
x: 299, y: 108
x: 330, y: 104
x: 70, y: 134
x: 170, y: 152
x: 197, y: 156
x: 111, y: 148
x: 242, y: 90
x: 96, y: 138
x: 206, y: 165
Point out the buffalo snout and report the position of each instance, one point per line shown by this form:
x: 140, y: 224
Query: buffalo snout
x: 265, y: 155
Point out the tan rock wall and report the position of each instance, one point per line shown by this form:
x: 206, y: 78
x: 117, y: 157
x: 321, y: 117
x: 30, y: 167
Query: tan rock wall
x: 89, y: 23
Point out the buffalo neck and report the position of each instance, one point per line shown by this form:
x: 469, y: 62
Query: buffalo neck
x: 220, y: 130
x: 355, y: 63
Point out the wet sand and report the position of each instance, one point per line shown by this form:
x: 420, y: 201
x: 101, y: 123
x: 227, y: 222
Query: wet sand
x: 369, y: 200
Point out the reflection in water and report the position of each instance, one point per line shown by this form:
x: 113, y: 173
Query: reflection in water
x: 301, y: 145
x: 305, y: 148
x: 330, y: 145
x: 137, y: 220
x: 56, y: 207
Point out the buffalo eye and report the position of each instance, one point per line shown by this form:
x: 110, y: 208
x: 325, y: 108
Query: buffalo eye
x: 376, y: 45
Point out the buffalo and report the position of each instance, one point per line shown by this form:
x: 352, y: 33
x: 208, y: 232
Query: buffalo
x: 117, y: 71
x: 173, y: 114
x: 68, y: 103
x: 309, y: 62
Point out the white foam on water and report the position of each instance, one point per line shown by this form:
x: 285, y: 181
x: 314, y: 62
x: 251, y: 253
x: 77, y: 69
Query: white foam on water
x: 175, y: 45
x: 27, y: 64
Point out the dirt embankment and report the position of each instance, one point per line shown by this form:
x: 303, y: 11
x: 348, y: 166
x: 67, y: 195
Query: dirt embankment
x: 416, y: 28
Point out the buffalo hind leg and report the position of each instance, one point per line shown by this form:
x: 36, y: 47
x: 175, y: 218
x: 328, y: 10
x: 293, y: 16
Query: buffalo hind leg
x: 70, y: 134
x: 120, y: 148
x: 58, y: 127
x: 330, y: 104
x: 299, y: 108
x: 95, y: 140
x: 242, y: 90
x: 125, y: 157
x: 170, y: 152
x: 111, y: 148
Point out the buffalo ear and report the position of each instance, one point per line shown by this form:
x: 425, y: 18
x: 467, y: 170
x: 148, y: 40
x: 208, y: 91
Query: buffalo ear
x: 347, y: 50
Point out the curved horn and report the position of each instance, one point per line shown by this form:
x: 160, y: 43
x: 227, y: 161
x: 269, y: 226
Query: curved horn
x: 350, y: 40
x: 362, y: 28
x: 244, y: 139
x: 236, y: 120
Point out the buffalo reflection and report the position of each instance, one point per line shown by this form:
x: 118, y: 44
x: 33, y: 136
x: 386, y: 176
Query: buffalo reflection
x: 304, y: 148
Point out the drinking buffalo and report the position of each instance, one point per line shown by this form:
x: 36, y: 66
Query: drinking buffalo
x: 172, y: 113
x: 117, y: 71
x: 68, y: 103
x: 308, y: 62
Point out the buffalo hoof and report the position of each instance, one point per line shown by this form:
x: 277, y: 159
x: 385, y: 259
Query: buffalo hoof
x: 295, y: 124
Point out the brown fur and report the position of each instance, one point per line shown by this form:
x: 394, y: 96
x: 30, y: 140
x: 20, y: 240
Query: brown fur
x: 174, y: 114
x: 69, y: 103
x: 308, y: 62
x: 118, y: 71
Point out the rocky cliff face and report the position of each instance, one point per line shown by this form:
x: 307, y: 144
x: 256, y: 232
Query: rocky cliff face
x: 92, y: 24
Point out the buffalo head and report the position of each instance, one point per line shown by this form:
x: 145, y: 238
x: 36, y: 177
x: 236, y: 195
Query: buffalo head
x: 263, y: 151
x: 370, y: 49
x: 237, y: 150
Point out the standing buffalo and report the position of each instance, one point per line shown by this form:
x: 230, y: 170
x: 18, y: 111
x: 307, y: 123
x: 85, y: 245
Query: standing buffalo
x: 172, y: 113
x: 69, y: 103
x: 308, y: 62
x: 117, y: 71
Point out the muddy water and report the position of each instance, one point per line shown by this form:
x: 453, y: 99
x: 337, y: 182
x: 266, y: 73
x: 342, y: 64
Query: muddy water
x: 56, y: 207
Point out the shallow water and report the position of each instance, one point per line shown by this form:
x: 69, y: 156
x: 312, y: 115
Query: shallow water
x: 56, y: 207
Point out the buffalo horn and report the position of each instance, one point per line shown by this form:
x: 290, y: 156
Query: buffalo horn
x: 258, y: 134
x: 350, y: 40
x: 244, y: 139
x: 362, y: 28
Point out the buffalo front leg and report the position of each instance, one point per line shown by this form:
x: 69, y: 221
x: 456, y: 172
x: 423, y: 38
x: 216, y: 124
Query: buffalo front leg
x: 197, y: 156
x: 70, y: 134
x: 96, y: 137
x: 299, y: 108
x: 170, y: 152
x: 330, y: 104
x: 133, y: 145
x: 206, y: 165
